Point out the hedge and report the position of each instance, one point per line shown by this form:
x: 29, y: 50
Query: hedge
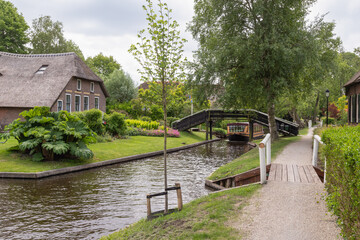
x: 142, y: 124
x: 342, y: 153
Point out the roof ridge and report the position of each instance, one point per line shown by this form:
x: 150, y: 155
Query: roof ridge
x: 37, y: 55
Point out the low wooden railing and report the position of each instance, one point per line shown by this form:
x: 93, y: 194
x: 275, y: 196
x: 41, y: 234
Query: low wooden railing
x: 315, y: 157
x: 264, y: 153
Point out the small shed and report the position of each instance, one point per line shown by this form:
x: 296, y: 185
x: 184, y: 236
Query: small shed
x: 352, y: 91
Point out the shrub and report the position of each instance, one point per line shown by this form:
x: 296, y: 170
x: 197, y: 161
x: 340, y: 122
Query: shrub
x: 142, y: 124
x: 51, y: 135
x: 131, y: 131
x: 343, y: 173
x: 331, y: 120
x: 219, y: 132
x: 94, y: 119
x: 159, y: 133
x: 170, y: 120
x: 145, y: 118
x: 115, y: 124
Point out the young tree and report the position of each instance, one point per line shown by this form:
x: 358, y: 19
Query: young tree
x: 13, y: 36
x: 103, y: 65
x: 120, y: 86
x: 255, y: 50
x: 159, y: 53
x: 47, y: 36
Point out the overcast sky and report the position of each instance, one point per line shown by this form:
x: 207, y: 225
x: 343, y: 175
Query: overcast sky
x: 110, y: 26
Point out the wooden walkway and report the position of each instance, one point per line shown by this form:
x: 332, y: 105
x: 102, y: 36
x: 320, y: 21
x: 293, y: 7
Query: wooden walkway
x: 293, y: 173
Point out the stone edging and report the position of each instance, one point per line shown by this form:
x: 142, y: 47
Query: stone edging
x: 97, y: 164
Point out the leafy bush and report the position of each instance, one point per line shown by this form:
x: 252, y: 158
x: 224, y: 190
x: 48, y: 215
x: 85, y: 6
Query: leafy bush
x: 170, y: 120
x: 219, y: 132
x: 51, y: 135
x: 331, y: 121
x: 343, y: 173
x: 94, y: 119
x: 142, y: 124
x: 115, y: 124
x: 145, y: 118
x: 132, y: 131
x: 159, y: 133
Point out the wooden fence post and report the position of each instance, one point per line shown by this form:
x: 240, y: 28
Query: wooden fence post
x: 148, y: 197
x: 262, y: 164
x: 179, y: 196
x: 268, y: 152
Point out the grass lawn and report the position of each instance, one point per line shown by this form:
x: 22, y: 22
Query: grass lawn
x: 16, y: 162
x: 250, y: 160
x: 204, y: 218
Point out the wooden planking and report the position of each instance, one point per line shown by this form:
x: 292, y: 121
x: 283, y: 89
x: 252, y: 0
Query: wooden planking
x: 272, y: 172
x: 302, y: 174
x: 284, y: 173
x: 308, y: 174
x: 296, y: 173
x: 278, y: 172
x: 290, y: 173
x: 314, y: 174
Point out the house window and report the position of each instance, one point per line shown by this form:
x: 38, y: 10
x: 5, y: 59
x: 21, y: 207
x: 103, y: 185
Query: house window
x: 353, y: 108
x: 86, y: 103
x: 42, y: 69
x: 78, y: 84
x: 77, y: 103
x: 91, y: 87
x: 68, y: 102
x: 59, y: 105
x: 97, y: 103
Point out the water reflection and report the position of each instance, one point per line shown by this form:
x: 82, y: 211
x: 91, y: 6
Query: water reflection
x: 90, y: 204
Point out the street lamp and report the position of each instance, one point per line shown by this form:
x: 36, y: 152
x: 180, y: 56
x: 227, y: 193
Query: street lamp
x: 327, y: 93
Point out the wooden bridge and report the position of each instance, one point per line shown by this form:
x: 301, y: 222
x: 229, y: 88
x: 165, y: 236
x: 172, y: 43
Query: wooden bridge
x: 253, y: 116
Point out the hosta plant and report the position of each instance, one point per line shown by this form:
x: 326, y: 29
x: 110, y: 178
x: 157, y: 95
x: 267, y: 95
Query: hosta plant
x: 49, y: 135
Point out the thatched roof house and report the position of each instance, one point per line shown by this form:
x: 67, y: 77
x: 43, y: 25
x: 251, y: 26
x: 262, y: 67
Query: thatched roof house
x: 352, y: 91
x: 60, y: 81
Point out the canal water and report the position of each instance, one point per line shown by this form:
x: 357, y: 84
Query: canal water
x: 90, y: 204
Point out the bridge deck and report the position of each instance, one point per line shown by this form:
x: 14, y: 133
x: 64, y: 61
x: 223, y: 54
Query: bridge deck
x: 293, y: 173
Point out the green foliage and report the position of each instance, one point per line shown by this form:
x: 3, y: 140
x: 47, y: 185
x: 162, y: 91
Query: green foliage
x: 13, y: 36
x: 51, y: 135
x: 47, y: 36
x: 103, y: 65
x: 343, y: 174
x: 171, y: 120
x: 120, y: 86
x: 331, y: 121
x: 219, y: 132
x: 115, y: 124
x: 145, y: 118
x: 94, y: 119
x: 142, y: 124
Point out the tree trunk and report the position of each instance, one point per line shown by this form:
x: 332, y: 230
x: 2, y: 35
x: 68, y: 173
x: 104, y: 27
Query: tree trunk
x: 272, y: 123
x: 316, y: 108
x: 165, y: 141
x: 296, y: 118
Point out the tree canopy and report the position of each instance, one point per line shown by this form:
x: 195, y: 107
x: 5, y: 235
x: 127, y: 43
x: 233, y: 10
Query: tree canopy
x: 120, y: 86
x: 254, y: 50
x: 13, y: 35
x: 103, y: 65
x: 47, y: 36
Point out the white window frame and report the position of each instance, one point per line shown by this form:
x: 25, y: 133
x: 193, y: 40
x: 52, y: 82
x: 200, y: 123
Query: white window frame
x: 87, y: 103
x: 78, y: 84
x: 79, y: 103
x: 62, y: 105
x: 98, y: 105
x: 66, y: 102
x: 92, y: 86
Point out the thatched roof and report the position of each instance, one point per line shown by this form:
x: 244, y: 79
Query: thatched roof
x: 353, y: 80
x: 20, y: 86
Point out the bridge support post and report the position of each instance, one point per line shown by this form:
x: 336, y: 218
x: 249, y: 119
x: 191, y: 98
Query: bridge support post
x: 211, y: 122
x: 251, y: 130
x: 207, y: 130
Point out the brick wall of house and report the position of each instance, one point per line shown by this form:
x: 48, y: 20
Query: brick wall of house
x: 71, y: 89
x: 7, y: 115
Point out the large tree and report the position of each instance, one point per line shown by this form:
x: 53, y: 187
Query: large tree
x: 159, y: 53
x: 103, y: 65
x: 120, y: 86
x: 47, y: 36
x: 13, y: 35
x: 254, y: 49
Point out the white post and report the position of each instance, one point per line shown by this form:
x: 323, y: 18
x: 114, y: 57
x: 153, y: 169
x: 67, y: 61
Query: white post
x: 262, y: 154
x: 325, y: 172
x: 268, y: 152
x: 262, y: 165
x: 310, y: 123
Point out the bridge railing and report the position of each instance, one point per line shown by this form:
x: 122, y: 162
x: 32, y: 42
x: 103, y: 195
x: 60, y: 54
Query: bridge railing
x: 264, y: 154
x: 315, y: 157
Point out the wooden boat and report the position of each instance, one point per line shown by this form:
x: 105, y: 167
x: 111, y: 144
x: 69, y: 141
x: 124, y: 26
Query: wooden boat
x: 240, y: 131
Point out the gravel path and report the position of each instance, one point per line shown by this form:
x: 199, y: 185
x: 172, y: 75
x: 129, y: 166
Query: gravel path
x: 289, y: 210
